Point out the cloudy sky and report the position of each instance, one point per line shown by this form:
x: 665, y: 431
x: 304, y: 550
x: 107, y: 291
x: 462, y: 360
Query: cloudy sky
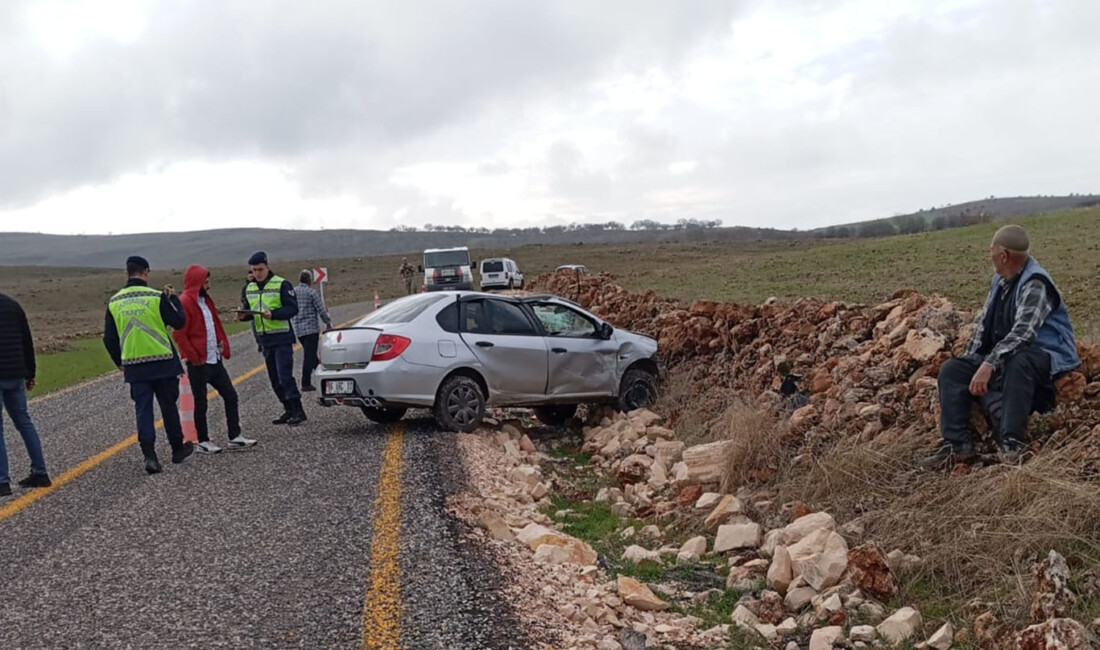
x: 142, y: 115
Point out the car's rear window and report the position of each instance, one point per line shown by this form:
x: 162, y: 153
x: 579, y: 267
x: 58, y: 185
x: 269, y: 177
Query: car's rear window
x: 401, y: 311
x: 496, y: 266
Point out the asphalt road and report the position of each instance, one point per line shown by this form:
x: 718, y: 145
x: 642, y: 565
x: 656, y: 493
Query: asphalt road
x: 329, y: 535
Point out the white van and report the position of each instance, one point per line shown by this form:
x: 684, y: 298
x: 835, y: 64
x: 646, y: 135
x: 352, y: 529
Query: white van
x: 448, y: 269
x: 500, y: 273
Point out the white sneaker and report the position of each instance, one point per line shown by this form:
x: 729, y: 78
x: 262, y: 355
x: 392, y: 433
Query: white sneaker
x: 207, y: 448
x: 240, y: 442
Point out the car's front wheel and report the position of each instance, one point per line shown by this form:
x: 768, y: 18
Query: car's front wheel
x: 555, y: 415
x: 384, y: 415
x: 637, y: 390
x: 459, y: 404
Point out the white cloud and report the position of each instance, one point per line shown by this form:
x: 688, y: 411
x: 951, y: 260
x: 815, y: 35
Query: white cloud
x: 128, y: 115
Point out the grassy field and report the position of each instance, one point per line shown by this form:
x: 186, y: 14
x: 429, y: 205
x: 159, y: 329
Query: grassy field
x: 66, y: 306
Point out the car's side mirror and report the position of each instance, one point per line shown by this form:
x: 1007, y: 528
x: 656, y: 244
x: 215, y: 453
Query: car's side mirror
x: 606, y: 331
x: 420, y: 268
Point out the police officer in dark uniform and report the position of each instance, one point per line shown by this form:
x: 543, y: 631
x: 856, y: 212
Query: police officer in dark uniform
x: 269, y: 302
x: 135, y: 333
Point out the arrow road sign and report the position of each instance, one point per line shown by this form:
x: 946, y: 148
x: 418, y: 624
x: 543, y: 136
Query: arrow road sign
x: 320, y: 274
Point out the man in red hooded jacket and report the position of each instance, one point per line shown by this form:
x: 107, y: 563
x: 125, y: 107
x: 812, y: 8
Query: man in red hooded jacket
x: 203, y: 344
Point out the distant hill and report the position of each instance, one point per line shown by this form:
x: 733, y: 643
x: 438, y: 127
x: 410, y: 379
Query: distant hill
x: 229, y: 247
x: 960, y: 215
x: 234, y: 246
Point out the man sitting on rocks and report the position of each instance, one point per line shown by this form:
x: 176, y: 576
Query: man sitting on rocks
x: 1023, y: 341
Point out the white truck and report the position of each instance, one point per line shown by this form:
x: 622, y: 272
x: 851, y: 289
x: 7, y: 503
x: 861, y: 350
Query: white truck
x: 448, y: 269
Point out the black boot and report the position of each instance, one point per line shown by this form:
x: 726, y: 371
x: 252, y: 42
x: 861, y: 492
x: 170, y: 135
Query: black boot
x: 948, y: 454
x: 152, y: 463
x: 298, y: 414
x: 287, y: 413
x: 182, y: 452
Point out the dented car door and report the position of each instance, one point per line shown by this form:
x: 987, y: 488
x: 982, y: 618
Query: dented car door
x: 582, y: 363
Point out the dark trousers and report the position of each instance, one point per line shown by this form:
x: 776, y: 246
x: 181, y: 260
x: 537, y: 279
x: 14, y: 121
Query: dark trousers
x: 167, y: 392
x: 217, y: 376
x: 280, y: 370
x: 309, y: 356
x: 1022, y: 386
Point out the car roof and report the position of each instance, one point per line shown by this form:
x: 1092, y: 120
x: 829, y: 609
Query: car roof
x: 497, y: 296
x: 447, y: 250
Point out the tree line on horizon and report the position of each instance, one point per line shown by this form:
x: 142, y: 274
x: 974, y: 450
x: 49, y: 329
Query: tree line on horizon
x: 647, y: 225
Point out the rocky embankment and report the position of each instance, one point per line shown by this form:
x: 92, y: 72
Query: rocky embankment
x: 799, y: 582
x: 866, y: 371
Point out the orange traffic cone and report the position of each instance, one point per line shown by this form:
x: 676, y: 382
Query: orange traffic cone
x: 187, y: 411
x: 377, y: 301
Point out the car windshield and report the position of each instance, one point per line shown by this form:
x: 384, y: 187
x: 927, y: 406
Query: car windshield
x: 492, y: 266
x: 401, y: 311
x: 446, y: 258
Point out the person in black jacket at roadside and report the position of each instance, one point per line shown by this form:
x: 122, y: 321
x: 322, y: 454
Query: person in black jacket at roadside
x: 17, y: 371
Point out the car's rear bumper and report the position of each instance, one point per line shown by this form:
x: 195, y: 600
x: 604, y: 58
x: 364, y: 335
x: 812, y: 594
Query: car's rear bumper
x: 392, y: 383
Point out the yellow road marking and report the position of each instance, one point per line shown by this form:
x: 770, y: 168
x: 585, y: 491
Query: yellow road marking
x: 19, y: 504
x: 382, y: 607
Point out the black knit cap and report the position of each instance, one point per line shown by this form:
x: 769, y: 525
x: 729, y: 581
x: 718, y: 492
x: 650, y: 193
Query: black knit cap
x: 138, y: 261
x: 259, y: 257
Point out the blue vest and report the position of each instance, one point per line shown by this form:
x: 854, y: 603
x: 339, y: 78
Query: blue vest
x: 1056, y: 335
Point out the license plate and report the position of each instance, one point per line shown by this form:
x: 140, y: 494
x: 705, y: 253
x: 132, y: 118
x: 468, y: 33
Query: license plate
x: 494, y: 276
x: 340, y: 387
x: 448, y: 272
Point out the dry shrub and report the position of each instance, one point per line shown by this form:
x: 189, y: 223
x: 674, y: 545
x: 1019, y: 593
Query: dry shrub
x: 691, y: 417
x: 758, y: 449
x: 977, y: 533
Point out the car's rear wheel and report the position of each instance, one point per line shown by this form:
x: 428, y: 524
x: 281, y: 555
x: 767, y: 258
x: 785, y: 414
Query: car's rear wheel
x: 384, y: 415
x: 459, y: 404
x: 637, y: 390
x: 556, y: 414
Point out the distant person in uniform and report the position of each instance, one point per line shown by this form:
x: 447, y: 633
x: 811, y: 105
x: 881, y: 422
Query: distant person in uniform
x: 17, y: 371
x: 203, y: 344
x: 408, y: 274
x: 1023, y: 342
x: 270, y: 303
x: 135, y: 333
x: 310, y: 307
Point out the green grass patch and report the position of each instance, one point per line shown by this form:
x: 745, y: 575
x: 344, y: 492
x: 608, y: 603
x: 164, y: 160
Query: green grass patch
x: 85, y: 359
x: 236, y: 327
x: 717, y: 609
x: 590, y: 521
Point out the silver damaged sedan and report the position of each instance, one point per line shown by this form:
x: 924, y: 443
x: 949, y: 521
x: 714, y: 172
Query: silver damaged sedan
x: 457, y: 353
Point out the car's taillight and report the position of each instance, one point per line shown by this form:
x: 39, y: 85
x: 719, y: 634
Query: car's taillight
x: 389, y: 347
